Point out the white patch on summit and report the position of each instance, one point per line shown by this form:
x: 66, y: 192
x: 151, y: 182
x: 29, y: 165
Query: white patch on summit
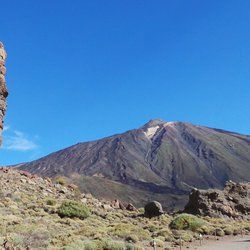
x: 170, y: 124
x: 150, y: 132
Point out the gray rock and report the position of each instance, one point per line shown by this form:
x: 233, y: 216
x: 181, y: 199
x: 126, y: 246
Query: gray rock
x: 152, y: 209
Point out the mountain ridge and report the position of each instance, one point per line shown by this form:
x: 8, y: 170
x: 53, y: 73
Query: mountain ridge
x: 166, y: 158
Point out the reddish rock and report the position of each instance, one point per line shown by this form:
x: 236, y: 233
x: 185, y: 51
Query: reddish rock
x: 72, y: 186
x: 3, y: 89
x: 26, y: 174
x: 131, y: 207
x: 118, y: 204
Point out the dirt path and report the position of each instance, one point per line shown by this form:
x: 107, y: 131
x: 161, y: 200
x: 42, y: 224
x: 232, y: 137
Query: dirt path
x: 228, y: 244
x: 225, y: 243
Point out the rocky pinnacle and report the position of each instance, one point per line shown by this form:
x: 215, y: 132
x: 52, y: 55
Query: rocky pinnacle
x: 3, y: 89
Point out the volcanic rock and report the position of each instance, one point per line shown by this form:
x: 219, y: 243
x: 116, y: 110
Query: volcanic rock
x: 118, y: 204
x: 152, y: 209
x: 131, y: 207
x: 3, y: 89
x: 233, y: 201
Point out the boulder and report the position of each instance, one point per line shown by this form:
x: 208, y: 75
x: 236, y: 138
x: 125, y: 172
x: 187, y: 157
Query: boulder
x: 152, y: 209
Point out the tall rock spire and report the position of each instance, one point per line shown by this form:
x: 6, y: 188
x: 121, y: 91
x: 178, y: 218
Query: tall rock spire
x: 3, y: 89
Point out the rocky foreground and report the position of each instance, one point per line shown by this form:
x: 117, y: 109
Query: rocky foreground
x: 38, y: 213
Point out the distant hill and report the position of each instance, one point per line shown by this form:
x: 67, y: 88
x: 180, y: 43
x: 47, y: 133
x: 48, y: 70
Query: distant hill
x: 160, y: 160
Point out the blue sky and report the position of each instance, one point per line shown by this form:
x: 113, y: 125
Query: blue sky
x: 81, y: 70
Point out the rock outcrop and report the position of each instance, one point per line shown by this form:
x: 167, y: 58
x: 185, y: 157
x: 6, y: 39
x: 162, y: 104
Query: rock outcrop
x: 3, y: 89
x: 233, y: 201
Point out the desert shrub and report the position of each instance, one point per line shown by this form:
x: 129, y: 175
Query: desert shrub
x: 219, y: 232
x: 165, y: 232
x: 205, y: 229
x: 186, y: 222
x: 158, y: 242
x: 168, y: 248
x: 109, y: 244
x: 183, y: 235
x: 84, y: 245
x: 132, y: 238
x: 123, y: 230
x: 61, y: 180
x: 16, y: 197
x: 51, y: 202
x: 138, y: 247
x: 228, y: 230
x: 16, y: 239
x: 77, y: 194
x: 36, y: 239
x: 73, y: 209
x: 151, y: 227
x: 141, y: 210
x: 236, y: 231
x: 187, y: 236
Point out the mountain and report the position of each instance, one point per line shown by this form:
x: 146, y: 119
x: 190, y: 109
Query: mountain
x: 160, y: 160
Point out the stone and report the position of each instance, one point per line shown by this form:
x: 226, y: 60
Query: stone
x: 26, y: 174
x: 117, y: 204
x: 233, y: 201
x: 152, y: 209
x: 131, y: 207
x: 107, y: 207
x: 3, y: 88
x: 72, y: 186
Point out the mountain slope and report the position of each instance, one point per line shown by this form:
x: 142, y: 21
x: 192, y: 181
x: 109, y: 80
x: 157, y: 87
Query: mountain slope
x: 164, y: 159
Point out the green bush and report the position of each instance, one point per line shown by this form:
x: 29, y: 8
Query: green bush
x: 205, y: 229
x: 109, y: 244
x: 61, y: 180
x: 236, y: 231
x: 228, y: 230
x: 73, y: 209
x: 51, y: 202
x: 113, y: 245
x: 132, y: 238
x: 219, y: 232
x: 83, y: 245
x: 186, y: 222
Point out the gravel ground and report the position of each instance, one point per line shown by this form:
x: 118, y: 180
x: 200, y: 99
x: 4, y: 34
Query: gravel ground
x: 228, y: 244
x: 225, y: 243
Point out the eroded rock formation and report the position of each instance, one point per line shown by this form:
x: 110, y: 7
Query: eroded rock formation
x: 3, y: 89
x: 233, y: 201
